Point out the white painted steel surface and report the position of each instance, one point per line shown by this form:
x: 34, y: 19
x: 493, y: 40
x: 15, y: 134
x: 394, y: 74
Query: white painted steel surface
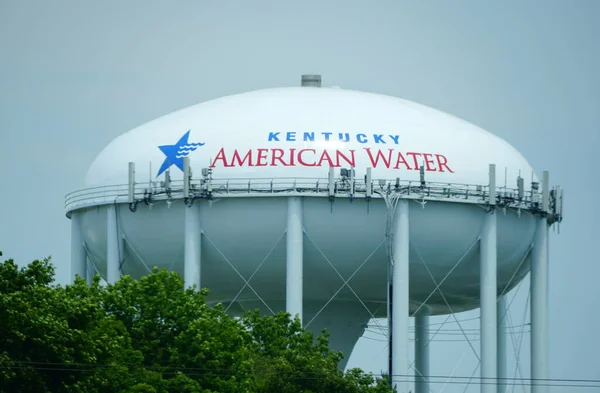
x: 113, y: 246
x: 489, y: 293
x: 294, y: 258
x: 539, y: 309
x: 400, y: 297
x: 452, y: 150
x: 78, y: 254
x: 192, y: 246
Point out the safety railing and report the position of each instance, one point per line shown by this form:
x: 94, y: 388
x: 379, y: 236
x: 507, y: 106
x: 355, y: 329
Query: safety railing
x: 317, y: 187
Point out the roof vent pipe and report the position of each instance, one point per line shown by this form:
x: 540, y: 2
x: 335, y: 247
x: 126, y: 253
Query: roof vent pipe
x: 311, y: 81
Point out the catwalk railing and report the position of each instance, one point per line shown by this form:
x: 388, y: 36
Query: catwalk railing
x: 313, y: 187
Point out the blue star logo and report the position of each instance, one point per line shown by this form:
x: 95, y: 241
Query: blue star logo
x: 175, y: 153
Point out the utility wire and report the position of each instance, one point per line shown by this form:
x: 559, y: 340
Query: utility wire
x: 562, y: 382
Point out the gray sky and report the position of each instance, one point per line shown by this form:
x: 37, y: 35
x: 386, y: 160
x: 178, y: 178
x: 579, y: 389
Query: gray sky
x: 76, y: 74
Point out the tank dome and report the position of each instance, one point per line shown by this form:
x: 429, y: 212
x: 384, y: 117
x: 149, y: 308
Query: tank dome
x: 300, y: 132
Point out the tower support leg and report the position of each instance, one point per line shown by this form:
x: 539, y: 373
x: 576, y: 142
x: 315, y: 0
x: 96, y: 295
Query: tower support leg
x: 400, y: 298
x: 502, y: 320
x: 78, y: 254
x: 294, y: 257
x: 193, y: 246
x: 113, y: 246
x: 488, y: 288
x: 422, y: 351
x: 539, y: 308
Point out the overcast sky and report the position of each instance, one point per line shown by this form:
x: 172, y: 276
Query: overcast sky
x: 76, y: 74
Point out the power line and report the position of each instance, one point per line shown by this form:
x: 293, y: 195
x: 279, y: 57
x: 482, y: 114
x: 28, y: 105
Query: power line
x: 474, y: 332
x: 512, y: 327
x: 198, y: 371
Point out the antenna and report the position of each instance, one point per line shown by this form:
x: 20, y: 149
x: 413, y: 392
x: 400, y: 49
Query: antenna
x: 560, y: 209
x: 168, y: 182
x: 187, y: 174
x: 422, y: 175
x: 521, y: 187
x: 351, y: 183
x: 369, y: 191
x: 557, y: 202
x: 534, y: 192
x: 532, y: 178
x: 545, y: 192
x: 492, y: 196
x: 131, y: 189
x: 331, y: 186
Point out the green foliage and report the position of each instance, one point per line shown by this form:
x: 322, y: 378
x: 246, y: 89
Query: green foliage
x: 153, y: 336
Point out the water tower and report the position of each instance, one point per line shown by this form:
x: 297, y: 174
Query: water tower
x: 338, y: 206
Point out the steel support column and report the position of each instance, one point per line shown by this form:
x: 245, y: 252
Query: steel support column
x: 400, y: 298
x: 422, y: 350
x: 539, y: 308
x: 113, y: 246
x: 502, y: 320
x: 294, y: 257
x: 78, y: 254
x: 488, y: 288
x: 193, y: 246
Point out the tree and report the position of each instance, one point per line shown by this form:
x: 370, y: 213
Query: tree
x: 52, y: 339
x: 174, y: 329
x: 287, y: 359
x: 152, y: 336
